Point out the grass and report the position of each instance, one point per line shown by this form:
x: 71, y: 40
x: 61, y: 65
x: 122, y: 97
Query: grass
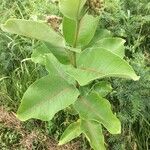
x: 128, y: 19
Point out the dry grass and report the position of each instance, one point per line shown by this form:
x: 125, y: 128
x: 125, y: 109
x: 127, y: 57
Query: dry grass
x: 8, y: 119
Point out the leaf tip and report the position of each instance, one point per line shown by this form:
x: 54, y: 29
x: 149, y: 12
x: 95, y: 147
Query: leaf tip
x: 20, y: 118
x: 60, y: 143
x: 136, y: 78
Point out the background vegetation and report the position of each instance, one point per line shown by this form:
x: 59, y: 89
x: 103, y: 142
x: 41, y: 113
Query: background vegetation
x: 129, y: 19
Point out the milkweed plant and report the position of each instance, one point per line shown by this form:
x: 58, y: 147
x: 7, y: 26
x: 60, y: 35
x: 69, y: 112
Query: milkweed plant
x: 78, y: 56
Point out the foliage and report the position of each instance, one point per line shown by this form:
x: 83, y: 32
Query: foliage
x: 126, y: 19
x: 43, y: 101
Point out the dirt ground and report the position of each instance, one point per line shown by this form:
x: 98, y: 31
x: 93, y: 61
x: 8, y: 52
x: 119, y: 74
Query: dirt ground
x: 9, y: 120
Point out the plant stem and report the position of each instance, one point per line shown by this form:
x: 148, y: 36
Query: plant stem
x: 74, y: 63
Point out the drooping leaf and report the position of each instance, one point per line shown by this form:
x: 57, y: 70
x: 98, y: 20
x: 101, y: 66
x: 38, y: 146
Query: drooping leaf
x: 102, y: 88
x: 46, y: 97
x: 94, y: 63
x: 115, y: 45
x: 70, y: 133
x: 33, y: 29
x: 71, y: 8
x: 39, y: 52
x: 96, y: 108
x: 93, y: 132
x: 80, y: 34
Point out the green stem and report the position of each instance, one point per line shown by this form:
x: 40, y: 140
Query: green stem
x: 74, y: 63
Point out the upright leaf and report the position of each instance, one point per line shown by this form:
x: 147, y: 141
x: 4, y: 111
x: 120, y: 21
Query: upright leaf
x: 70, y: 133
x: 87, y: 28
x: 46, y: 97
x: 33, y: 29
x: 96, y: 108
x: 69, y: 30
x: 80, y: 33
x: 96, y: 62
x: 71, y: 8
x: 99, y: 35
x: 115, y: 45
x: 93, y: 132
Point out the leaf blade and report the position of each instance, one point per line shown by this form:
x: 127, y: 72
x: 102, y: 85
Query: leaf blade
x: 95, y: 63
x: 100, y: 111
x: 71, y: 8
x: 33, y: 29
x: 45, y: 98
x: 72, y: 131
x: 93, y: 132
x: 114, y: 45
x: 82, y: 32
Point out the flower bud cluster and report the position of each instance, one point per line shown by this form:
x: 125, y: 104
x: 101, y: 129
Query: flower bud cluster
x: 94, y: 7
x: 54, y: 21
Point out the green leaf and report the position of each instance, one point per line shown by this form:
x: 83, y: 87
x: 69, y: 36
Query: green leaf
x: 45, y: 98
x: 80, y: 34
x: 38, y: 55
x: 71, y: 8
x: 96, y: 108
x: 102, y: 88
x: 94, y: 63
x: 99, y: 35
x: 60, y: 53
x: 70, y: 133
x: 115, y: 45
x: 93, y: 132
x: 33, y: 29
x: 69, y: 30
x: 87, y: 28
x: 54, y: 67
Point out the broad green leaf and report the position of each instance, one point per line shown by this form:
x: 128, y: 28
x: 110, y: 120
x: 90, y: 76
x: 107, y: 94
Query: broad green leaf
x: 69, y: 30
x: 70, y: 133
x: 115, y: 45
x: 33, y: 29
x: 87, y: 28
x: 71, y: 8
x: 54, y: 67
x: 96, y: 108
x: 99, y: 35
x: 80, y: 34
x: 102, y: 88
x: 59, y: 52
x: 38, y: 55
x: 94, y: 63
x: 93, y: 132
x: 46, y: 97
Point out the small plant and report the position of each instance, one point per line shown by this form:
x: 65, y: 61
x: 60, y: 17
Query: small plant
x: 75, y: 56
